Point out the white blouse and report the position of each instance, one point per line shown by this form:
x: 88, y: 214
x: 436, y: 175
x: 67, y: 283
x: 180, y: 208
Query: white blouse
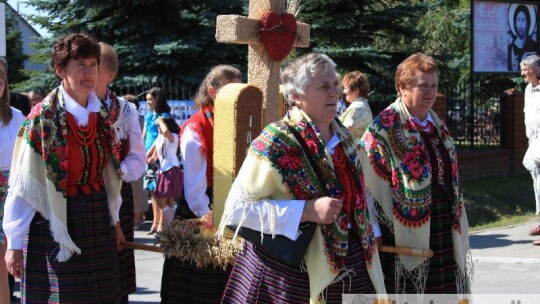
x: 18, y: 213
x: 8, y: 134
x: 134, y: 163
x: 195, y: 168
x: 532, y: 111
x: 166, y: 151
x: 288, y: 212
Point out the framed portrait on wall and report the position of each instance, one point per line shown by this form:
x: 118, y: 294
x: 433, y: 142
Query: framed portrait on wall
x: 504, y: 32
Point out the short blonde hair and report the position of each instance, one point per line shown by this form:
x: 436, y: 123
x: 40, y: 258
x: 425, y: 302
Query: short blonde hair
x: 356, y: 80
x: 408, y: 67
x: 109, y: 57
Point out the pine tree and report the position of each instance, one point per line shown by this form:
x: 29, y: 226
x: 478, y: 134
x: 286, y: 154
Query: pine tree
x: 153, y: 38
x: 14, y: 52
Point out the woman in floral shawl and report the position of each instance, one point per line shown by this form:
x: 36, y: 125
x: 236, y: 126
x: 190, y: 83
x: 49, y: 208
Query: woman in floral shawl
x: 410, y: 168
x: 277, y: 189
x: 62, y: 206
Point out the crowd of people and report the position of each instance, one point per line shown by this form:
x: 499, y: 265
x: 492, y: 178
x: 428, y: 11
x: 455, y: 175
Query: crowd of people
x: 85, y: 164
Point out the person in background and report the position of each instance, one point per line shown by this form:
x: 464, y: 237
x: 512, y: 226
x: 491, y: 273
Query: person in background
x: 530, y: 70
x: 61, y: 212
x: 35, y: 96
x: 22, y: 103
x: 169, y: 176
x: 158, y: 107
x: 11, y: 120
x: 17, y: 100
x: 276, y: 190
x: 342, y: 104
x: 140, y: 197
x: 125, y: 121
x: 410, y: 169
x: 358, y: 115
x: 185, y: 282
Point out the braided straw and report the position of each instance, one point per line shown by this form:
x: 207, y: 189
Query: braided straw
x: 237, y: 121
x: 189, y: 242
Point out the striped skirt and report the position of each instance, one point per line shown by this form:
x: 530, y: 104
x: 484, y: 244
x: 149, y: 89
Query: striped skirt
x: 126, y: 257
x: 186, y: 283
x: 4, y: 178
x: 258, y: 278
x: 90, y: 277
x: 442, y: 266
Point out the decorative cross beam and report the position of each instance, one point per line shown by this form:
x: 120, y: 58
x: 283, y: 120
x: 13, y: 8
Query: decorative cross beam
x: 263, y: 69
x: 270, y: 31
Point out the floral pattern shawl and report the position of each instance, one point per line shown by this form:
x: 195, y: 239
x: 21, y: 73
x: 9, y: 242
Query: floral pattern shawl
x: 284, y: 173
x: 399, y: 177
x: 39, y: 169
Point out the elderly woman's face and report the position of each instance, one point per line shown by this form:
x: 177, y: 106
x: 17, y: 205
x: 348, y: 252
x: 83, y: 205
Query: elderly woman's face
x: 419, y: 95
x: 320, y: 100
x: 79, y: 75
x: 528, y: 73
x: 350, y: 95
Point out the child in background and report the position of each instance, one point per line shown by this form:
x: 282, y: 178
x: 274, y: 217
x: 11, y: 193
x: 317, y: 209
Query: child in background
x: 169, y: 181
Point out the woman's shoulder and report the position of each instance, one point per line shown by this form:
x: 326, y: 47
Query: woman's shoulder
x: 17, y: 113
x: 273, y: 138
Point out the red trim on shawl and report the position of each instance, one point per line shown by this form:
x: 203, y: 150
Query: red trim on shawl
x: 202, y: 123
x: 345, y: 176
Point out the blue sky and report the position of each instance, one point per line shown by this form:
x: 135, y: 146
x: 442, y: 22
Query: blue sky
x: 24, y: 8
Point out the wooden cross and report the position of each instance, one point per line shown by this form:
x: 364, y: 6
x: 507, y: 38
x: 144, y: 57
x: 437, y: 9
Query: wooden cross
x: 263, y: 71
x: 237, y: 104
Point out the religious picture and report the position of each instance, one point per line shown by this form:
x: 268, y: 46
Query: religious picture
x: 503, y: 34
x: 522, y: 30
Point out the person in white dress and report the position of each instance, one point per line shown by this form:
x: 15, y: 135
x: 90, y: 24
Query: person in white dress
x: 530, y: 70
x: 358, y: 115
x: 11, y: 120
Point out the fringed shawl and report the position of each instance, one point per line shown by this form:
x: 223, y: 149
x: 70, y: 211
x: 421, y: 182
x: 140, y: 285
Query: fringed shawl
x: 277, y: 169
x: 121, y: 115
x: 399, y: 178
x: 39, y: 169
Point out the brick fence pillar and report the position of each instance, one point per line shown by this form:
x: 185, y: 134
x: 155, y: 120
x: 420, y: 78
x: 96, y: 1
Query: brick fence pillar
x: 513, y: 127
x: 440, y: 107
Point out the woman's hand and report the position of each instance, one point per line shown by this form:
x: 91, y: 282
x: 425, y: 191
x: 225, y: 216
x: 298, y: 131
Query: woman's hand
x: 209, y: 220
x: 14, y: 262
x: 152, y: 160
x: 322, y: 210
x: 119, y: 236
x: 379, y: 242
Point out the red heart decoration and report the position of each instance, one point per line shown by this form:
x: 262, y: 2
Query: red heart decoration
x: 278, y: 34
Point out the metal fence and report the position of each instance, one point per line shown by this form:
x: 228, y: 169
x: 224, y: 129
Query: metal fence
x: 473, y: 123
x: 173, y: 88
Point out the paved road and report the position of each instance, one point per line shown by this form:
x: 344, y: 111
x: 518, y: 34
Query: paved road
x: 505, y: 263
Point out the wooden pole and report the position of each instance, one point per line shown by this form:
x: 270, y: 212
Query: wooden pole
x: 425, y: 253
x: 138, y: 246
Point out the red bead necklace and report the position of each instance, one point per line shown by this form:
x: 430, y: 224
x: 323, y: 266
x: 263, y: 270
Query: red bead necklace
x: 84, y: 135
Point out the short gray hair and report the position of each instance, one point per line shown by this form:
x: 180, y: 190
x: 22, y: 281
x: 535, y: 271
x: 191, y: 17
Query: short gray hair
x: 533, y: 62
x: 298, y: 74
